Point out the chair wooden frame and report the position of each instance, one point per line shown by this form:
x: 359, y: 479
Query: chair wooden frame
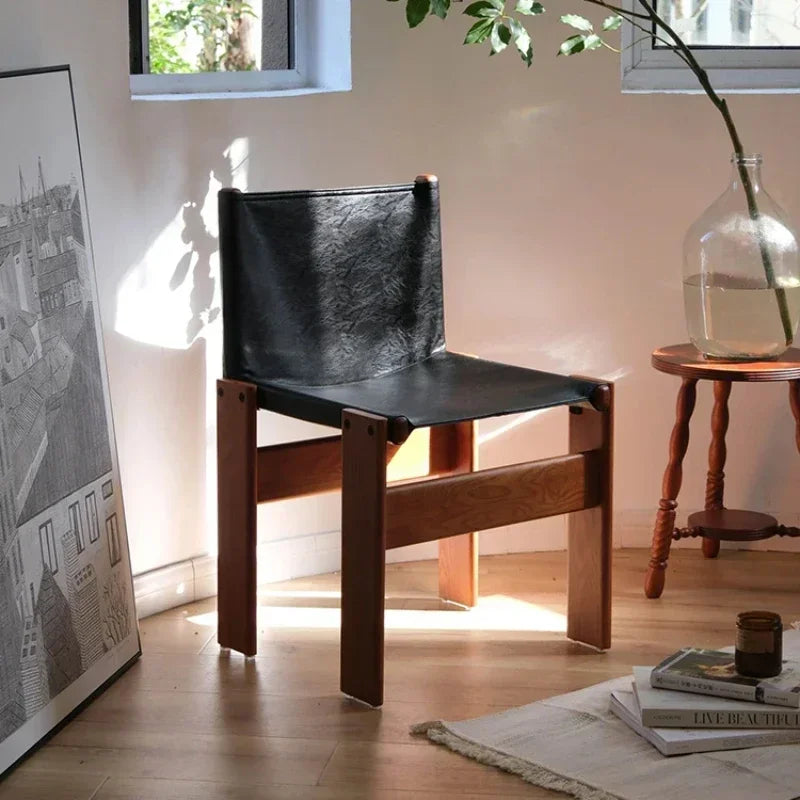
x: 377, y: 516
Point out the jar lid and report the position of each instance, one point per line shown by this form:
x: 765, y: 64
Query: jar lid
x: 758, y: 620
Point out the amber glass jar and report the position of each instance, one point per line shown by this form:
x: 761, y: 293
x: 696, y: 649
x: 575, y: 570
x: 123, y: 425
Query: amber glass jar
x: 759, y: 644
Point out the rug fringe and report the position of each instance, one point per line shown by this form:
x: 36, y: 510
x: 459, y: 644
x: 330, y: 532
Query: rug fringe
x: 437, y: 732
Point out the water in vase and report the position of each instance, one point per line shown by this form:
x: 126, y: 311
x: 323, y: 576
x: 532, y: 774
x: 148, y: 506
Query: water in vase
x: 736, y: 317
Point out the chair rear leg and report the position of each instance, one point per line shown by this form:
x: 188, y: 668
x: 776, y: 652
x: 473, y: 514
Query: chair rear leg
x: 237, y: 507
x: 363, y: 555
x: 589, y: 531
x: 452, y: 451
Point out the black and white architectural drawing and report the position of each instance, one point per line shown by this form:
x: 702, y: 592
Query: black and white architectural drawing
x: 67, y: 620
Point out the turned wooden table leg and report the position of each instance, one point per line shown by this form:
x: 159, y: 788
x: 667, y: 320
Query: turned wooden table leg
x: 717, y: 452
x: 794, y: 402
x: 670, y: 486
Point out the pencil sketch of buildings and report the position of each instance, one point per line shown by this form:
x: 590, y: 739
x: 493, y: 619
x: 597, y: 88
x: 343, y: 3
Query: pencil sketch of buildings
x: 64, y: 579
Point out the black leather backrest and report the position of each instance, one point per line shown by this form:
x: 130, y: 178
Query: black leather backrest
x: 327, y: 287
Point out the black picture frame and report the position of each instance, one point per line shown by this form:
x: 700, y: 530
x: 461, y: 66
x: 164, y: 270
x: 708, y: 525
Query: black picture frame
x: 68, y: 624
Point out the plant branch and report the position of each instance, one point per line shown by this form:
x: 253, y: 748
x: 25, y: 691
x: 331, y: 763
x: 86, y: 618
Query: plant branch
x: 747, y: 186
x: 651, y: 35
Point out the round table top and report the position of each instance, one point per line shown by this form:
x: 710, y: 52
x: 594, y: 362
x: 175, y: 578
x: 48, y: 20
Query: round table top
x: 688, y: 362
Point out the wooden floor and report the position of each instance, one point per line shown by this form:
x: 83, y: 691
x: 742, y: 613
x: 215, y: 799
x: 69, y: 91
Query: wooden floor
x: 191, y: 722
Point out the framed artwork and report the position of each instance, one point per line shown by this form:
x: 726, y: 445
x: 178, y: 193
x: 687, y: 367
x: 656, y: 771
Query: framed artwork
x: 67, y: 615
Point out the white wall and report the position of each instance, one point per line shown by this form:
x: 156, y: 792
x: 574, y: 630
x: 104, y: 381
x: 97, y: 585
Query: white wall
x: 564, y: 207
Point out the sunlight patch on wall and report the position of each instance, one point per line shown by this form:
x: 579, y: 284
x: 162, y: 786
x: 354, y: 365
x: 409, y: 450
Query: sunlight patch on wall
x: 507, y: 427
x: 237, y: 156
x: 171, y: 295
x: 148, y: 310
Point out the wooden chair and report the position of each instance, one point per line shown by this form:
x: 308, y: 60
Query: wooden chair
x: 333, y: 313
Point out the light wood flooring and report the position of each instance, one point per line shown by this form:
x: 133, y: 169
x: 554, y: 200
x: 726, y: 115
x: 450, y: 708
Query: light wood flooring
x: 189, y: 722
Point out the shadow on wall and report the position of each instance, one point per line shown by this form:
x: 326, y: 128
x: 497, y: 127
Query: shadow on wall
x: 165, y: 338
x: 173, y: 307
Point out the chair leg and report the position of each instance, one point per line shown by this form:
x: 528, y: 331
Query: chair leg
x: 363, y: 554
x: 452, y: 451
x: 237, y: 504
x: 589, y: 532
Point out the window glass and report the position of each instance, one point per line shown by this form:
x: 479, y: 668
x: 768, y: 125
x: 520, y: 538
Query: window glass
x: 91, y: 517
x: 184, y: 37
x: 47, y: 546
x: 734, y: 23
x: 112, y: 531
x: 76, y: 523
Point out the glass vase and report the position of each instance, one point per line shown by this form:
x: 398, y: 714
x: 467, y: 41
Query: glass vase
x: 741, y: 272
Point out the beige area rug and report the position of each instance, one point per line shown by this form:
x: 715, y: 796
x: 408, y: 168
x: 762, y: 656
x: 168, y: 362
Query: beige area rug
x: 574, y: 744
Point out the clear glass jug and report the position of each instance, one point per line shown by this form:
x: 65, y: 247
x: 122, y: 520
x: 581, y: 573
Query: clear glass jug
x: 741, y: 272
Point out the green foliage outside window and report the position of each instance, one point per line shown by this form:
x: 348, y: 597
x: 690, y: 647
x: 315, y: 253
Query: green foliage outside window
x: 218, y: 24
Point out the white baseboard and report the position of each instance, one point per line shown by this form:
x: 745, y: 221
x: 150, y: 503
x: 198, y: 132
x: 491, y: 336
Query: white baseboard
x: 315, y: 554
x: 175, y: 585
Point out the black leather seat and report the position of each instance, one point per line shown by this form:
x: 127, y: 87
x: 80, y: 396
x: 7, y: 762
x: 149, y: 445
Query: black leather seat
x: 333, y: 300
x: 444, y: 388
x: 333, y: 313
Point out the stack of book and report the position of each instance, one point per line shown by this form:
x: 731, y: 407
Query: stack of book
x: 695, y: 702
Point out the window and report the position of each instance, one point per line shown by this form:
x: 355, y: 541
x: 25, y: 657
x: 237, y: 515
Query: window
x: 76, y: 523
x: 91, y: 517
x: 108, y: 489
x: 745, y: 45
x: 112, y: 531
x: 238, y: 48
x: 47, y: 544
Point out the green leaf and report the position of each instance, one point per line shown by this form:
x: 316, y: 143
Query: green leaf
x: 484, y: 8
x: 581, y: 23
x: 593, y: 41
x: 612, y: 23
x: 522, y: 40
x: 440, y: 8
x: 416, y: 11
x: 501, y: 36
x: 479, y: 32
x: 529, y: 7
x: 575, y: 44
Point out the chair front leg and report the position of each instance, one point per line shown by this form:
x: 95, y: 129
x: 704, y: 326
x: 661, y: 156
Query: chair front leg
x: 452, y: 451
x: 237, y: 508
x: 589, y: 531
x: 363, y: 554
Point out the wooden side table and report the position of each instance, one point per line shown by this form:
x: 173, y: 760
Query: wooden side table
x: 716, y: 523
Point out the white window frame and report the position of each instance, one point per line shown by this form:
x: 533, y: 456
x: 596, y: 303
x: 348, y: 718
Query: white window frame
x: 321, y: 64
x: 646, y: 69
